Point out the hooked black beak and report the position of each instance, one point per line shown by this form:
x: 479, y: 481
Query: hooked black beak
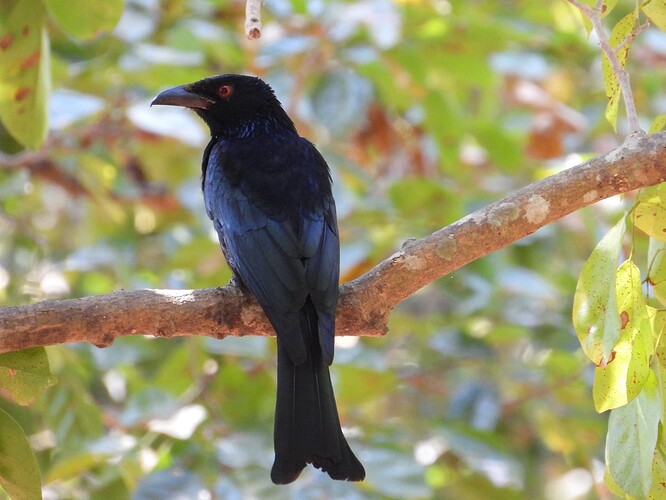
x: 181, y: 96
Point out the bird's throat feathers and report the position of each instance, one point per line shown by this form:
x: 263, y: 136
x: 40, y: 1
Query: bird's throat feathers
x: 269, y: 120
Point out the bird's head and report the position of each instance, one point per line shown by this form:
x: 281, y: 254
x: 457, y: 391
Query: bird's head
x: 231, y: 105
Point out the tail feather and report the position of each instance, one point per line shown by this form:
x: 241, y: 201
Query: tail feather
x: 307, y: 426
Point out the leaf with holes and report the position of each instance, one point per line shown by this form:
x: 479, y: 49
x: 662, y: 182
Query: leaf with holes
x: 621, y: 378
x: 24, y: 73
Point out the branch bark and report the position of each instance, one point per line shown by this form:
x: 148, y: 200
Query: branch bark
x: 365, y: 303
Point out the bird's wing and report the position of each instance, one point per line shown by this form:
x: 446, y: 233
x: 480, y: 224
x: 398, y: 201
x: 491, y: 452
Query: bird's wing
x: 322, y: 272
x: 263, y: 253
x: 282, y: 261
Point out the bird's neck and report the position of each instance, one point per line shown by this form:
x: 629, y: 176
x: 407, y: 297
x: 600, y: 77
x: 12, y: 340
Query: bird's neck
x: 276, y: 123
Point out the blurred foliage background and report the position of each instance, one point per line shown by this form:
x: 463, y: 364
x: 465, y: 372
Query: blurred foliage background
x: 425, y: 111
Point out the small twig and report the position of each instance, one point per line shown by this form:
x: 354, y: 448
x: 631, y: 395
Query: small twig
x: 253, y: 19
x: 632, y: 36
x: 594, y: 15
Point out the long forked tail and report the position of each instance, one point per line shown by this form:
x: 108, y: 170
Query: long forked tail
x: 307, y: 426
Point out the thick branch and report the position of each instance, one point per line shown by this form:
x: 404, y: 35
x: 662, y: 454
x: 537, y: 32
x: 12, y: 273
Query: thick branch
x: 366, y: 302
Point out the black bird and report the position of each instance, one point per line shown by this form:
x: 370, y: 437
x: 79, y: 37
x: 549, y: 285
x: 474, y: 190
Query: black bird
x: 268, y: 192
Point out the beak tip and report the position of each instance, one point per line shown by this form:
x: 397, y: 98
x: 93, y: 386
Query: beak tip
x: 180, y: 96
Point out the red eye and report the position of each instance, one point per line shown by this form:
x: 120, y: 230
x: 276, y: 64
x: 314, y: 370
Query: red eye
x: 225, y: 91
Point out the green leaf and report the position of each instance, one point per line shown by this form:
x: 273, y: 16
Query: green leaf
x: 656, y: 11
x: 7, y: 143
x: 658, y: 318
x: 649, y: 213
x: 612, y: 485
x: 656, y: 275
x: 622, y: 377
x: 658, y: 489
x: 608, y: 6
x: 416, y: 195
x: 658, y: 124
x: 24, y: 73
x: 632, y: 438
x: 595, y: 314
x: 83, y: 18
x: 19, y: 473
x: 74, y: 465
x: 619, y: 33
x: 24, y: 375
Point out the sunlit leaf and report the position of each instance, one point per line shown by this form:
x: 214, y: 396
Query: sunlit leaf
x: 621, y: 379
x: 649, y: 213
x: 656, y: 275
x: 84, y: 18
x: 595, y: 314
x: 656, y: 11
x: 631, y: 440
x: 19, y: 473
x: 658, y: 317
x: 658, y: 124
x: 619, y: 33
x: 25, y: 80
x: 24, y: 375
x: 608, y: 6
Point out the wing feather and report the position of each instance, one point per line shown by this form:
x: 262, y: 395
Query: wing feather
x: 282, y: 262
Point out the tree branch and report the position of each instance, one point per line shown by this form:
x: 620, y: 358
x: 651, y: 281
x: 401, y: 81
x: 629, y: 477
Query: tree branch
x: 366, y: 302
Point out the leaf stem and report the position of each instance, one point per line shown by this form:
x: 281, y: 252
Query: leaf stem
x: 594, y: 15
